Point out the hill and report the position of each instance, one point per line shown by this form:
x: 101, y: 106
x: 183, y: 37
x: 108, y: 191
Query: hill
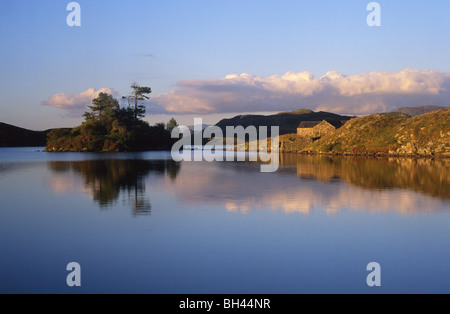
x: 417, y: 111
x: 287, y: 121
x: 13, y: 136
x: 394, y: 134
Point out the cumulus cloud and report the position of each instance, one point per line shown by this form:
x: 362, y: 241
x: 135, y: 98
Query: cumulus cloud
x: 354, y: 94
x: 76, y: 104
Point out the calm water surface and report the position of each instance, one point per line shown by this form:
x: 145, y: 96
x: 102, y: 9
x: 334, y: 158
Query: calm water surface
x: 141, y: 223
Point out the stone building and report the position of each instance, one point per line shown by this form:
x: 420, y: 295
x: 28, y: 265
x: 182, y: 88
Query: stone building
x: 316, y: 129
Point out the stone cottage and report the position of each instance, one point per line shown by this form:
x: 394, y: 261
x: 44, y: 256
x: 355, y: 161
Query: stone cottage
x: 316, y: 129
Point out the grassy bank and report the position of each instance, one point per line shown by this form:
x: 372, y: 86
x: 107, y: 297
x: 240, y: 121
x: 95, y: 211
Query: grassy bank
x: 393, y: 134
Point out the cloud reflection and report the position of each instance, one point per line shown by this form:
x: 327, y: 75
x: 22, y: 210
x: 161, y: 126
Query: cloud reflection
x: 304, y: 184
x: 308, y: 183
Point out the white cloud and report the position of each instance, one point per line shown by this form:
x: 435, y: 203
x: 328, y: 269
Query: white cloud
x: 76, y: 104
x: 355, y: 94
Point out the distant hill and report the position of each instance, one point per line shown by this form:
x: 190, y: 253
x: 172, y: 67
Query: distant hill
x: 417, y: 111
x: 287, y: 121
x: 13, y: 136
x: 202, y: 127
x: 392, y: 133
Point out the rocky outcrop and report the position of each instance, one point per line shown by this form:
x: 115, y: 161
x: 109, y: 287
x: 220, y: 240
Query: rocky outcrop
x: 392, y: 134
x: 292, y: 143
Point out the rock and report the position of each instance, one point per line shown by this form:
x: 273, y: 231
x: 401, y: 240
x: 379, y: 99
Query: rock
x: 440, y: 148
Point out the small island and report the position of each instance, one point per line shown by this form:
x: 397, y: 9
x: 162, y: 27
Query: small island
x: 108, y: 127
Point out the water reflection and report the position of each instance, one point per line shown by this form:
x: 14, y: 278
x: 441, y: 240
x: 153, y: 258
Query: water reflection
x: 331, y: 184
x: 431, y: 177
x: 303, y: 184
x: 107, y: 180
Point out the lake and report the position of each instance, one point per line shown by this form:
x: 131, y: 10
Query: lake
x: 141, y: 223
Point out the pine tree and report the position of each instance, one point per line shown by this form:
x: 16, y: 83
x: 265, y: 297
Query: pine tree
x: 139, y: 94
x: 172, y: 124
x: 103, y: 106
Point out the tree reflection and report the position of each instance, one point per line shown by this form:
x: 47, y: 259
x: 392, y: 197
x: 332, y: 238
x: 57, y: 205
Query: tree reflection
x: 428, y: 176
x: 106, y: 180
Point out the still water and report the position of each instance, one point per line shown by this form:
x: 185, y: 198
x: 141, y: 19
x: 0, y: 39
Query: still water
x: 141, y: 223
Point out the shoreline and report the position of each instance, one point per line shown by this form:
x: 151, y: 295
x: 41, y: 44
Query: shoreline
x: 339, y: 154
x: 305, y: 153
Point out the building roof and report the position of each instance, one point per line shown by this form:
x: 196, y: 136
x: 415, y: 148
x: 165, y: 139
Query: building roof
x: 312, y: 124
x: 308, y: 124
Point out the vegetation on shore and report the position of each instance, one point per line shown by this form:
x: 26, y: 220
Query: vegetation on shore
x: 111, y: 128
x: 393, y: 134
x: 386, y: 134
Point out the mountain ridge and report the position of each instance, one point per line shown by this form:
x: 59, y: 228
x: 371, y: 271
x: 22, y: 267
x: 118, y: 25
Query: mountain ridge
x: 417, y: 111
x: 14, y: 136
x: 287, y: 121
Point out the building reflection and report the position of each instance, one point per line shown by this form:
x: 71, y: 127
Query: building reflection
x: 109, y: 180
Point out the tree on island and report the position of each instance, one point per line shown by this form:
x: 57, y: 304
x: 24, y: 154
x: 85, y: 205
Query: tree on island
x: 172, y: 124
x: 102, y: 107
x: 110, y: 128
x: 139, y: 95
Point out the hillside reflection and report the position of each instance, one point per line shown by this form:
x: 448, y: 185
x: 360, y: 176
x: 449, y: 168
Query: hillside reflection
x: 304, y: 184
x: 431, y: 177
x: 108, y: 180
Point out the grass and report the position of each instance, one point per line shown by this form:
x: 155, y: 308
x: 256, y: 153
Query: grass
x: 391, y: 133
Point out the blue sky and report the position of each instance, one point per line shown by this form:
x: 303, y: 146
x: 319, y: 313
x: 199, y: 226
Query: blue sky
x: 165, y: 43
